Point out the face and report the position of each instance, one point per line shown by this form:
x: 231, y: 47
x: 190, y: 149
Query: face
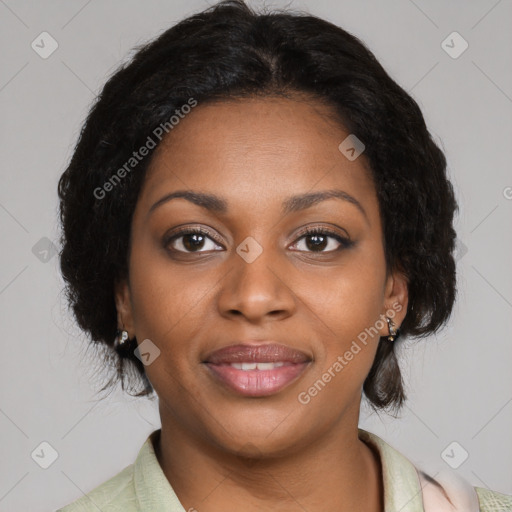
x: 237, y: 267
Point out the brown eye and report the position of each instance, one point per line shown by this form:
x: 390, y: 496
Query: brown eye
x: 319, y: 239
x: 191, y: 240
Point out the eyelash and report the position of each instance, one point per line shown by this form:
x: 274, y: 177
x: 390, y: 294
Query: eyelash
x: 345, y: 243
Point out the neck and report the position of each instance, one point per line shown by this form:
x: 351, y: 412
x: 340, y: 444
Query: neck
x: 337, y: 473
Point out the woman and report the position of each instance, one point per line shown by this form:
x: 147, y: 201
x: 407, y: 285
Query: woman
x: 254, y: 213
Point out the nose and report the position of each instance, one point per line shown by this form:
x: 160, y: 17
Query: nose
x: 257, y: 290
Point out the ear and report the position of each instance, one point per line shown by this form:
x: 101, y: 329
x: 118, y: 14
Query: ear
x: 124, y: 308
x: 396, y: 299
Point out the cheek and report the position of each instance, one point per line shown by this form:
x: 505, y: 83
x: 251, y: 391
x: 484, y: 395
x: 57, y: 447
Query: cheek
x: 167, y: 311
x: 166, y: 299
x: 352, y: 297
x: 349, y: 305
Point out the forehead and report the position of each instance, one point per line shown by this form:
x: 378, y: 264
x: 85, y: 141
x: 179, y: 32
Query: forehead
x: 263, y: 148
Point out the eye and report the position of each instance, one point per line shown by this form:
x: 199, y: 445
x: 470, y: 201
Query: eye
x: 190, y: 240
x: 316, y: 239
x: 319, y: 240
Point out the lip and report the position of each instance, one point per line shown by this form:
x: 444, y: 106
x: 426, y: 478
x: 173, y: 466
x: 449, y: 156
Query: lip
x: 267, y: 352
x: 256, y: 382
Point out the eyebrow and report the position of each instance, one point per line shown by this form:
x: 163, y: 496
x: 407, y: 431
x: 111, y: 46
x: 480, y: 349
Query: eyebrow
x: 292, y: 204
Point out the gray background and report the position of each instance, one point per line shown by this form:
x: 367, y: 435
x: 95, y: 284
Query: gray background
x: 459, y: 383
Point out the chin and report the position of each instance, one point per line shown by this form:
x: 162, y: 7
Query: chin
x: 266, y: 433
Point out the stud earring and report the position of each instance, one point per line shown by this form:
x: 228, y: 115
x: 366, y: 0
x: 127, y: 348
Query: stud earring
x: 393, y: 331
x: 121, y: 339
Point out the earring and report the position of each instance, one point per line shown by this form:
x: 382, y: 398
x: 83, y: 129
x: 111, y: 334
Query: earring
x: 121, y: 339
x: 393, y: 332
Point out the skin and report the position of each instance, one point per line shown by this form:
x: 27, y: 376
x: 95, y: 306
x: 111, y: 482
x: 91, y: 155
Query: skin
x: 220, y: 450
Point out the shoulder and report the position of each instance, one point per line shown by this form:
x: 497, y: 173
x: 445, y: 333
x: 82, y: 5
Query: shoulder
x: 492, y: 501
x: 114, y: 495
x: 405, y: 483
x: 451, y: 492
x: 139, y: 486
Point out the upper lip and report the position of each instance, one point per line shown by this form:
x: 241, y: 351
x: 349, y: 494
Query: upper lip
x: 259, y: 353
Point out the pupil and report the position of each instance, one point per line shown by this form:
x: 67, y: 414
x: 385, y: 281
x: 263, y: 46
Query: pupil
x: 320, y: 245
x: 197, y: 244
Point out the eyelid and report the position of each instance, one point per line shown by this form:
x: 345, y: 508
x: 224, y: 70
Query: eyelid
x: 345, y: 242
x: 188, y: 229
x: 324, y: 229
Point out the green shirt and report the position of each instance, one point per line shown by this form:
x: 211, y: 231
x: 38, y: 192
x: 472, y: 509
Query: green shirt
x: 142, y: 486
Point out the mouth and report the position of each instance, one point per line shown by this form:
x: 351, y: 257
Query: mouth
x: 256, y: 370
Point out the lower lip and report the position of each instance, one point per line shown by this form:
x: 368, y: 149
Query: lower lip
x: 256, y: 382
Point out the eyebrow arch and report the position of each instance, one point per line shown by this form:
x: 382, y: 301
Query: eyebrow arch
x: 295, y: 203
x: 303, y: 201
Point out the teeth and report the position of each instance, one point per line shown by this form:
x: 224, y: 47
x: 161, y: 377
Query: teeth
x: 247, y: 366
x: 257, y: 366
x: 268, y: 366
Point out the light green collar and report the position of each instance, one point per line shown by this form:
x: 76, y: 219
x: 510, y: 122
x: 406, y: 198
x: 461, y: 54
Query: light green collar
x: 402, y: 489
